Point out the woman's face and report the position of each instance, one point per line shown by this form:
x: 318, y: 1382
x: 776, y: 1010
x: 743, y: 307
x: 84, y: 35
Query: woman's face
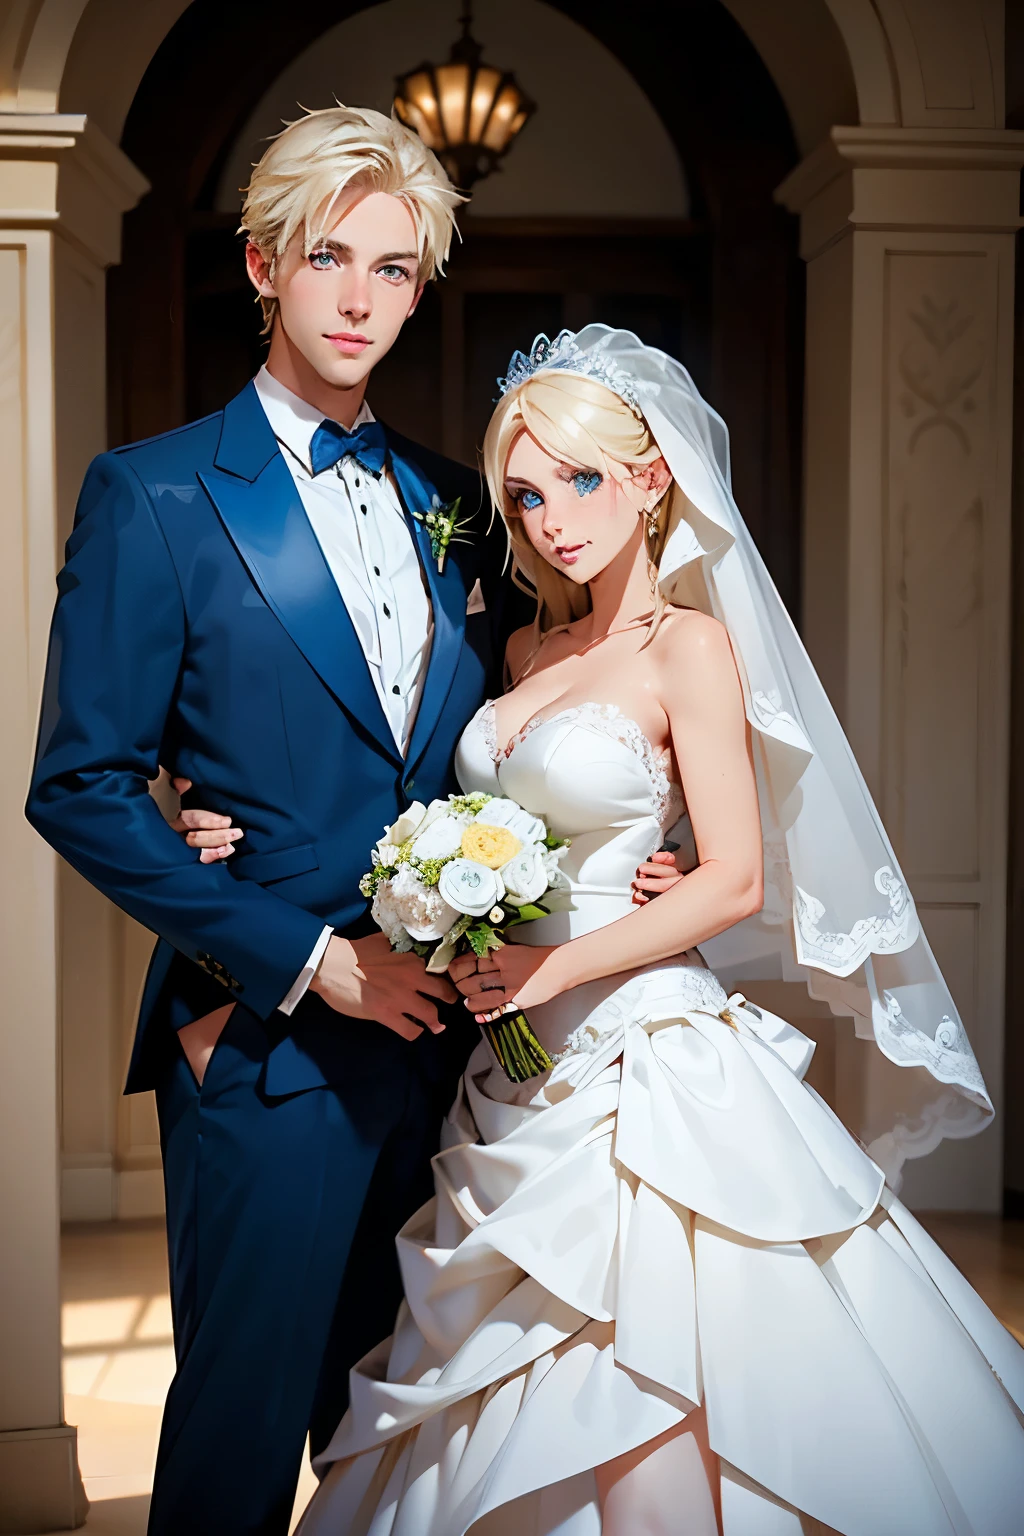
x: 579, y: 520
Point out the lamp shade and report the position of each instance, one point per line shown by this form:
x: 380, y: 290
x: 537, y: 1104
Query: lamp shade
x: 469, y: 113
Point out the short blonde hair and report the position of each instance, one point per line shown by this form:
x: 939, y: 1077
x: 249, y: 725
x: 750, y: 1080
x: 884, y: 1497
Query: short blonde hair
x: 583, y: 423
x: 315, y: 160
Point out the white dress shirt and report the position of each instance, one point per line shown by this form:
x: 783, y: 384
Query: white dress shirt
x: 360, y: 526
x: 366, y: 541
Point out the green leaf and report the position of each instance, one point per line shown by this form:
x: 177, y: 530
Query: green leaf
x: 482, y: 938
x: 530, y: 913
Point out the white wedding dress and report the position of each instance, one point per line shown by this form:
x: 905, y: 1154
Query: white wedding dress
x: 669, y: 1217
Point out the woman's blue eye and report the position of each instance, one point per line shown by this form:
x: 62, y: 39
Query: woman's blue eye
x: 531, y: 499
x: 321, y: 259
x: 586, y: 480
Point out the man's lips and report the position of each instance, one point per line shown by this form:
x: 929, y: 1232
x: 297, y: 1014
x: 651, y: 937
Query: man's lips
x: 349, y: 342
x: 569, y: 553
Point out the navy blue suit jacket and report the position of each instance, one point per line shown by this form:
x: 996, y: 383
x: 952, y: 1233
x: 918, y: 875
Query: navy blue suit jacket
x: 198, y: 626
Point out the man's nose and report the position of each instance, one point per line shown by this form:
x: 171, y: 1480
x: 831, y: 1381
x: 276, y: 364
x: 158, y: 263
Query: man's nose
x: 354, y: 300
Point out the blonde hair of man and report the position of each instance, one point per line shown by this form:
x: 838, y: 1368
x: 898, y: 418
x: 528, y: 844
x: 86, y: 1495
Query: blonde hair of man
x: 315, y: 161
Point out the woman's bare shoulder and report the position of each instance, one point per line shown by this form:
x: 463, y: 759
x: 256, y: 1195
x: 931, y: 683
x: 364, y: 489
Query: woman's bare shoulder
x: 687, y: 632
x: 693, y: 653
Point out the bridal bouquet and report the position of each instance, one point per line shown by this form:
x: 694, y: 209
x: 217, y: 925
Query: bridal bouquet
x: 455, y: 876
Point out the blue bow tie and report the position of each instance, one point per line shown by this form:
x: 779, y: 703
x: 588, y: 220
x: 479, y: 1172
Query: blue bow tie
x: 331, y: 442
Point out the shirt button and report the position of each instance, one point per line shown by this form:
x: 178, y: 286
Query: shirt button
x: 395, y: 688
x: 362, y: 507
x: 387, y: 611
x: 357, y: 487
x: 376, y: 570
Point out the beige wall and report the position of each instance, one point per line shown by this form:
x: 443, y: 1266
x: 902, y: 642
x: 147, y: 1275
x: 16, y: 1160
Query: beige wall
x: 909, y: 236
x: 63, y: 188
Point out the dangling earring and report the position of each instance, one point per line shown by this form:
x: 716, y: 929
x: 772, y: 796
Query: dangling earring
x: 651, y: 513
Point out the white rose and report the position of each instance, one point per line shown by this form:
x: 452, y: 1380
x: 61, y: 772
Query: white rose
x: 406, y: 825
x: 470, y: 888
x: 440, y: 839
x: 556, y: 879
x: 385, y: 852
x: 525, y: 877
x: 506, y: 813
x: 424, y: 914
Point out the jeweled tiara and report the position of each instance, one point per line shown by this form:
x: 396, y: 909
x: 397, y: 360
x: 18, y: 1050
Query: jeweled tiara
x: 563, y: 353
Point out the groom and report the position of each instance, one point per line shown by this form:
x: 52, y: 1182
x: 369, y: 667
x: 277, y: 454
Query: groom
x: 255, y: 602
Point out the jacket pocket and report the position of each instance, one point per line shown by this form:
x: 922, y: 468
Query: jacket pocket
x: 265, y: 868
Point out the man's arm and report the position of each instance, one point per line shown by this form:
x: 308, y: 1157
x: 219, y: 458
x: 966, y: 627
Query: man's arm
x: 116, y: 648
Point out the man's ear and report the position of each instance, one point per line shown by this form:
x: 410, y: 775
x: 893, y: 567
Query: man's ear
x: 258, y: 268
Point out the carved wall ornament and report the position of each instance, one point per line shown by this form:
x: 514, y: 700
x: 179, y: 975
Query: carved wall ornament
x: 938, y: 366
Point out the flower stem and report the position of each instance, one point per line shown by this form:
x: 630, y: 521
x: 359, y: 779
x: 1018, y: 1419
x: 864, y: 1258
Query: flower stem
x: 516, y: 1048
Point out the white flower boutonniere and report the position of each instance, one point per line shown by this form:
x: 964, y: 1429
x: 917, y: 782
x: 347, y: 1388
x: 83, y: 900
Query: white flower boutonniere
x: 445, y: 526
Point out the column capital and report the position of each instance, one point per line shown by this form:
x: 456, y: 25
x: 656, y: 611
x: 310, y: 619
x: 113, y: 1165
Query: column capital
x: 59, y: 171
x: 905, y: 179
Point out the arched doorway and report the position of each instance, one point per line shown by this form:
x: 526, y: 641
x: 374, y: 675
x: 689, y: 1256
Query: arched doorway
x: 895, y: 108
x: 719, y: 281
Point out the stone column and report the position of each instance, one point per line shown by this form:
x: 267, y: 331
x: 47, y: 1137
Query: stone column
x: 63, y: 188
x: 908, y: 236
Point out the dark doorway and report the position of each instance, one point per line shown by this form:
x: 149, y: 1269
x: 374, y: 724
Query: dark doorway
x: 723, y: 291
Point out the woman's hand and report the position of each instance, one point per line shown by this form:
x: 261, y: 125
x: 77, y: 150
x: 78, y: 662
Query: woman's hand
x: 659, y: 874
x: 505, y: 980
x: 205, y: 829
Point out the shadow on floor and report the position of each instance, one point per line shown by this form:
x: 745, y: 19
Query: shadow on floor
x: 116, y: 1517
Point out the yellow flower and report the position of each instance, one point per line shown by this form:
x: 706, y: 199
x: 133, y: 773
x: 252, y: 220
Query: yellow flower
x: 490, y: 846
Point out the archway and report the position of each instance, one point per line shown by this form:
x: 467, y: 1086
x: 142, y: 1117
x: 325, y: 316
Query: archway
x: 893, y: 211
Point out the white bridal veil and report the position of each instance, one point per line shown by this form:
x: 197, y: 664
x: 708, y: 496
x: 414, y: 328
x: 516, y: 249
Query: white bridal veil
x: 837, y: 914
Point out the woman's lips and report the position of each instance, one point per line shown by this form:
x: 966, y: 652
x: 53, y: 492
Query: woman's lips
x: 349, y: 342
x: 569, y: 553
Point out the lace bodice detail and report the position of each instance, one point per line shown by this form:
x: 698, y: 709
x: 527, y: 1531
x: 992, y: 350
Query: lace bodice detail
x: 595, y: 779
x: 610, y: 721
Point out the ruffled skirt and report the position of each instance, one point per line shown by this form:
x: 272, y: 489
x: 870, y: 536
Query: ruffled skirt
x: 669, y: 1218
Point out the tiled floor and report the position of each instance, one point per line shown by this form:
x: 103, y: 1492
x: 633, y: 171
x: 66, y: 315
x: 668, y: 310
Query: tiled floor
x: 118, y: 1357
x: 118, y: 1362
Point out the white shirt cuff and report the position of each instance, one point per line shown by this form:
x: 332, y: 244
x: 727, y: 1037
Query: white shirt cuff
x: 305, y: 976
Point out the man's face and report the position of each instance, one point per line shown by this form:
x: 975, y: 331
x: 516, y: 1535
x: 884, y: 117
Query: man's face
x: 342, y: 306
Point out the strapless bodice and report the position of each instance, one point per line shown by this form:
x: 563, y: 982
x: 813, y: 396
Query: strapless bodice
x: 594, y: 777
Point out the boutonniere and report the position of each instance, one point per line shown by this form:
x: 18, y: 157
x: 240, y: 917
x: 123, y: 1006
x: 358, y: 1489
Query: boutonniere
x: 444, y: 526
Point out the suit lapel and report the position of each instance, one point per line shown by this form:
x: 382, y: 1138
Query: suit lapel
x: 255, y: 497
x: 448, y: 599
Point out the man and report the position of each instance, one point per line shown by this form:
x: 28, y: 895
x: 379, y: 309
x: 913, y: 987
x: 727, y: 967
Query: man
x: 254, y: 601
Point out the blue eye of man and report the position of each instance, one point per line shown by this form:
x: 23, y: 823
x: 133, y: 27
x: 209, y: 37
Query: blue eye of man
x: 586, y: 480
x: 531, y: 499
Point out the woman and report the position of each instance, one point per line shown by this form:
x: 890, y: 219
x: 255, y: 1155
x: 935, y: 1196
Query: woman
x: 661, y: 1289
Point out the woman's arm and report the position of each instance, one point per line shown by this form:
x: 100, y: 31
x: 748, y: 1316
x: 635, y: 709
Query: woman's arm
x: 205, y: 829
x: 699, y: 688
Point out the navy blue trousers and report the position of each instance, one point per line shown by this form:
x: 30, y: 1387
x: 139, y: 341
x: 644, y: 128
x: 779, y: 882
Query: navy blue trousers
x: 281, y: 1217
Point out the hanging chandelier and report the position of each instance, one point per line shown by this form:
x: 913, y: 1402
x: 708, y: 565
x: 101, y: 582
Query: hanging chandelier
x: 466, y: 111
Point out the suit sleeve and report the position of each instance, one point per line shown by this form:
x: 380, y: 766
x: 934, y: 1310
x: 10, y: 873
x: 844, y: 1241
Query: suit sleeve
x: 116, y: 649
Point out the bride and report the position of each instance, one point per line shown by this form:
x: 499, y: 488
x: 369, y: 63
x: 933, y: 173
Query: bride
x: 661, y: 1290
